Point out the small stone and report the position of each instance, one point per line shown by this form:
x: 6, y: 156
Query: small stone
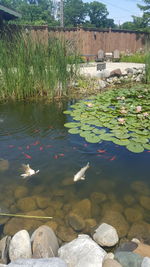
x: 102, y: 84
x: 109, y: 255
x: 82, y: 251
x: 20, y: 246
x: 111, y: 263
x: 129, y: 259
x: 145, y: 262
x: 26, y: 204
x: 106, y: 235
x: 52, y: 224
x: 133, y: 215
x: 76, y: 222
x: 20, y: 192
x: 135, y: 240
x: 45, y: 243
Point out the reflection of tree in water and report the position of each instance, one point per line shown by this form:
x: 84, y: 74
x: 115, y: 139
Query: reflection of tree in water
x: 27, y: 117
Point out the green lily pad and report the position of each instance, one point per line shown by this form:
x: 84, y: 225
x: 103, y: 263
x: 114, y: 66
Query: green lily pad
x: 93, y: 139
x: 147, y: 146
x: 74, y: 131
x: 135, y: 147
x: 72, y: 124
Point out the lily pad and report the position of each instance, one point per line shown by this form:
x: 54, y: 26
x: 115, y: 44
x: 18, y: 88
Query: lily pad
x: 135, y: 147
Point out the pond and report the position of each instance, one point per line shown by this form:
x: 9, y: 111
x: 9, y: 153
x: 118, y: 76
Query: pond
x: 116, y: 189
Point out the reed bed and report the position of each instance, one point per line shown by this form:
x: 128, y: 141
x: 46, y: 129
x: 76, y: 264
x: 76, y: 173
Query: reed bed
x: 147, y: 67
x: 31, y: 69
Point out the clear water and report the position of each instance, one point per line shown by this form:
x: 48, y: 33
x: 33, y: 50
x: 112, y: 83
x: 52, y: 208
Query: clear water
x: 34, y: 133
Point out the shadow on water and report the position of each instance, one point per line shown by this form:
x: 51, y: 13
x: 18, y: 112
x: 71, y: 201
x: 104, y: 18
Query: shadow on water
x: 34, y: 133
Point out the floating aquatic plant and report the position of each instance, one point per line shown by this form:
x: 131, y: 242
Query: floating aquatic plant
x: 99, y: 118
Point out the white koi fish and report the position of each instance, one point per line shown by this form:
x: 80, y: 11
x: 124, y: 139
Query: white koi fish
x: 28, y: 171
x: 81, y: 174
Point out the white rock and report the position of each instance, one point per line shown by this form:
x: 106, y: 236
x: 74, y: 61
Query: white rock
x: 20, y: 246
x: 82, y: 252
x: 106, y: 235
x: 109, y: 255
x: 146, y: 262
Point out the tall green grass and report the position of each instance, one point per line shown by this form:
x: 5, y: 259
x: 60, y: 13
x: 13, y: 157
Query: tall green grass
x: 147, y: 67
x: 135, y: 58
x: 30, y: 69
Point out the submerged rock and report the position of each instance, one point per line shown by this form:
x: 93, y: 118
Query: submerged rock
x: 129, y: 199
x: 76, y: 222
x: 139, y: 230
x: 66, y: 234
x: 128, y: 247
x: 140, y: 187
x: 44, y: 243
x: 106, y: 235
x: 27, y: 204
x: 20, y: 192
x: 98, y: 197
x: 83, y: 208
x: 133, y: 214
x: 4, y: 164
x: 145, y: 202
x: 42, y: 202
x: 82, y: 251
x: 20, y: 246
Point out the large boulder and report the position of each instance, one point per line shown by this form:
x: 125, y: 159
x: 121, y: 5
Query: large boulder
x: 20, y: 246
x: 44, y: 242
x: 52, y: 262
x: 143, y: 250
x: 82, y: 252
x: 116, y: 72
x: 106, y: 235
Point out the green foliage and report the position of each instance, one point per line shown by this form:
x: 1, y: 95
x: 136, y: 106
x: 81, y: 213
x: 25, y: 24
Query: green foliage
x: 135, y: 58
x: 74, y: 12
x: 102, y: 118
x: 31, y: 69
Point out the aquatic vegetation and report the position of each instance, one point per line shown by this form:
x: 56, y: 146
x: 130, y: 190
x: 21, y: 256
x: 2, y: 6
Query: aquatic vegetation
x: 99, y: 118
x: 34, y: 69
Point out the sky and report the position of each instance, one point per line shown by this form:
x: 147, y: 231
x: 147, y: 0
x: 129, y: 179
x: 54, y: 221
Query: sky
x: 122, y: 10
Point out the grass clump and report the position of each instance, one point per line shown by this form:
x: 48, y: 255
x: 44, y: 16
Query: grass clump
x: 134, y: 58
x: 30, y: 69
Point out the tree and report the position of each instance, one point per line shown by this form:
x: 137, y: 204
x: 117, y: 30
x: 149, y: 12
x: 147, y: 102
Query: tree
x: 74, y: 12
x: 138, y: 23
x: 146, y: 10
x: 97, y: 13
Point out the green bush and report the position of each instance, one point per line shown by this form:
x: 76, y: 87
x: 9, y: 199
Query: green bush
x: 30, y: 69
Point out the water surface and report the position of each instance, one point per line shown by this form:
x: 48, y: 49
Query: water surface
x: 34, y: 133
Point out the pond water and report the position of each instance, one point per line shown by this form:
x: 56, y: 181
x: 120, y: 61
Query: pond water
x: 117, y: 180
